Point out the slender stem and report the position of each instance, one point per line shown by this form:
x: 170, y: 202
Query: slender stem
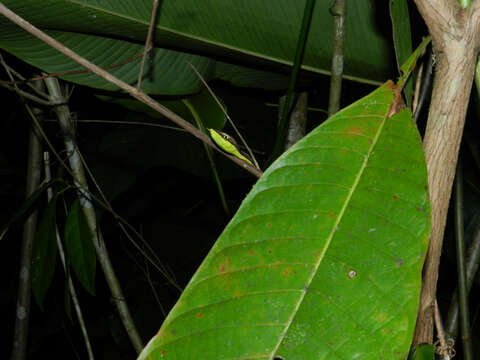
x: 61, y: 252
x: 137, y: 94
x: 426, y: 83
x: 208, y: 151
x: 148, y: 43
x: 230, y: 121
x: 462, y: 280
x: 68, y: 129
x: 472, y: 264
x: 34, y: 166
x: 339, y: 11
x: 297, y: 124
x: 301, y: 45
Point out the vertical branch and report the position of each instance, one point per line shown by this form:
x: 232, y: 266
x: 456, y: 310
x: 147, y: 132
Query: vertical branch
x: 456, y: 58
x: 339, y: 11
x: 148, y: 43
x: 301, y: 45
x: 68, y: 130
x: 61, y: 252
x: 462, y: 280
x: 34, y: 168
x: 472, y: 264
x: 297, y: 123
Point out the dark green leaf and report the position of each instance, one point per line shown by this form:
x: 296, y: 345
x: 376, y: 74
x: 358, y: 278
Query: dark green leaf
x: 323, y: 259
x: 423, y: 352
x: 27, y: 206
x: 402, y: 38
x: 44, y: 253
x: 255, y: 33
x: 79, y: 246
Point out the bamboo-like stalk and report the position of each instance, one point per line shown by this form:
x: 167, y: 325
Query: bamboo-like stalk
x: 471, y: 267
x: 297, y: 63
x: 462, y: 280
x: 22, y: 314
x: 297, y: 123
x: 339, y: 11
x: 68, y: 129
x: 61, y: 252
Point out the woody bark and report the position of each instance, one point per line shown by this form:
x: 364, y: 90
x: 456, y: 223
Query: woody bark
x: 455, y: 44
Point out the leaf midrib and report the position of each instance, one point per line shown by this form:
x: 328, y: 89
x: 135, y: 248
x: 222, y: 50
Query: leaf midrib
x: 332, y: 233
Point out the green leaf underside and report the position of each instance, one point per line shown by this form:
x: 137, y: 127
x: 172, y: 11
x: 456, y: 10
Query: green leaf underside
x: 423, y: 352
x: 248, y: 32
x: 44, y: 254
x: 165, y: 73
x: 323, y: 258
x: 80, y: 249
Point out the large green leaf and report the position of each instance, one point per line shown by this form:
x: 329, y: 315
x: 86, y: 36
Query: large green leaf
x: 255, y: 33
x: 323, y: 258
x: 167, y: 73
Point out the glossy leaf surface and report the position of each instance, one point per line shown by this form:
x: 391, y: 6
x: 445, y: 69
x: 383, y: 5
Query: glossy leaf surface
x: 323, y: 259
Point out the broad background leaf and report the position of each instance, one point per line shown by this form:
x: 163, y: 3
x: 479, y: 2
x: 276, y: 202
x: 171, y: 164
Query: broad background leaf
x: 80, y: 249
x: 44, y: 253
x: 402, y: 39
x: 262, y: 34
x: 323, y: 259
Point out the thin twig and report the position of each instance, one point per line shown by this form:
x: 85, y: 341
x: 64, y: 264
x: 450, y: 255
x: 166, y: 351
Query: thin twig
x: 20, y: 337
x: 61, y: 252
x: 208, y: 151
x: 462, y: 280
x: 148, y: 43
x: 297, y: 63
x: 68, y: 129
x: 139, y: 95
x: 106, y: 205
x: 339, y: 11
x: 472, y: 264
x: 426, y: 83
x: 226, y: 114
x: 297, y: 123
x: 416, y: 93
x: 444, y: 346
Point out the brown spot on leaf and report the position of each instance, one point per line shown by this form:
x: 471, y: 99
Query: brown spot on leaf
x: 355, y: 131
x: 269, y: 251
x: 225, y: 266
x: 199, y: 315
x: 395, y: 196
x: 163, y: 352
x: 316, y: 164
x: 269, y: 225
x: 331, y: 215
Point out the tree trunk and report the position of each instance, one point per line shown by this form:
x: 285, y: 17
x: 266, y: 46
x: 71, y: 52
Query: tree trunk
x: 454, y: 34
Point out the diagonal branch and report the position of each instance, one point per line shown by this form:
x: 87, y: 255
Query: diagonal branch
x: 134, y: 92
